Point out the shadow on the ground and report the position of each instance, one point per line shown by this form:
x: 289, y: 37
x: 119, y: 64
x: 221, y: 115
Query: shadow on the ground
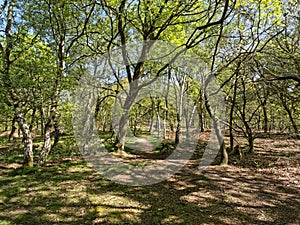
x: 68, y: 191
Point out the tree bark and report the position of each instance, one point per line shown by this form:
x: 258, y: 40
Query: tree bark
x: 27, y: 137
x: 233, y: 102
x: 122, y: 131
x: 124, y: 120
x: 201, y: 112
x: 289, y: 112
x: 158, y: 119
x: 265, y: 125
x: 166, y: 110
x: 180, y: 109
x: 222, y: 150
x: 13, y: 129
x: 151, y: 115
x: 251, y: 143
x: 32, y: 119
x: 57, y: 134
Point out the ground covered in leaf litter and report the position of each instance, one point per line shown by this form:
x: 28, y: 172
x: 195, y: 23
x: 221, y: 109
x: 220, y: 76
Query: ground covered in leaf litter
x: 258, y: 189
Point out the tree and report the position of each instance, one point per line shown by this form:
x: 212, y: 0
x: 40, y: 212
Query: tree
x: 8, y: 44
x: 153, y: 20
x: 60, y: 25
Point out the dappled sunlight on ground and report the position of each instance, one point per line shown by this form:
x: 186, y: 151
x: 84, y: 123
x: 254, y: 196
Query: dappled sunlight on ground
x: 258, y: 189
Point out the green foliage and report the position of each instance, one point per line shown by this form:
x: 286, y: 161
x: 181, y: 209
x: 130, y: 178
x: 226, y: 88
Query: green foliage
x: 257, y: 43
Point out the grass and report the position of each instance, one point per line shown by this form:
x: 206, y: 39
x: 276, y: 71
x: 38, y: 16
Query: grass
x: 68, y: 191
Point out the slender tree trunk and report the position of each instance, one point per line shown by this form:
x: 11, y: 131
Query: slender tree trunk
x: 258, y: 122
x: 289, y: 112
x: 222, y: 150
x: 13, y: 129
x: 188, y: 119
x: 263, y: 102
x: 51, y: 122
x: 165, y: 125
x: 32, y: 119
x: 248, y: 132
x: 41, y: 110
x: 151, y: 125
x: 152, y: 115
x: 190, y: 123
x: 251, y: 143
x: 250, y: 136
x: 265, y: 126
x: 201, y: 112
x: 178, y: 129
x: 231, y: 137
x: 166, y: 111
x: 180, y: 109
x: 158, y: 120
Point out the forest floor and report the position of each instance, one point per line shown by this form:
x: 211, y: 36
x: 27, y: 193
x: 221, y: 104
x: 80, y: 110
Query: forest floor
x: 260, y: 188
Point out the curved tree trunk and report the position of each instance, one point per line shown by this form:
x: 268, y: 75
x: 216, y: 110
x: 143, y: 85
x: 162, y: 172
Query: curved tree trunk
x: 124, y: 120
x: 289, y: 112
x: 222, y: 149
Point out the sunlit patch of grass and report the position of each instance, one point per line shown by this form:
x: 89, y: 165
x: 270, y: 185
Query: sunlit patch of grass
x: 165, y: 147
x: 5, y: 222
x: 172, y: 219
x: 110, y: 207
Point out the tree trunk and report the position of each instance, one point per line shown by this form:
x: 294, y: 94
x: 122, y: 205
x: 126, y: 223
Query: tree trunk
x: 122, y: 131
x: 13, y: 129
x: 265, y: 126
x: 158, y: 120
x: 180, y: 109
x: 49, y: 125
x: 222, y: 149
x: 42, y: 119
x: 124, y: 120
x: 251, y: 143
x: 47, y: 144
x: 166, y: 110
x: 165, y: 125
x: 201, y: 112
x: 231, y: 138
x: 27, y: 138
x: 32, y: 119
x: 57, y: 133
x: 178, y: 129
x: 224, y: 160
x: 289, y: 112
x: 152, y: 115
x: 190, y: 120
